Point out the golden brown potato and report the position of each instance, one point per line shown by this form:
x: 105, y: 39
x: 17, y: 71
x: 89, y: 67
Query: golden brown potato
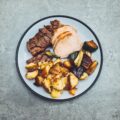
x: 72, y: 91
x: 58, y: 84
x: 64, y: 70
x: 67, y: 64
x: 39, y: 81
x: 57, y: 61
x: 55, y: 69
x: 73, y: 80
x: 32, y: 75
x: 31, y: 66
x: 55, y: 93
x: 47, y: 85
x: 84, y: 76
x: 45, y: 71
x: 92, y: 68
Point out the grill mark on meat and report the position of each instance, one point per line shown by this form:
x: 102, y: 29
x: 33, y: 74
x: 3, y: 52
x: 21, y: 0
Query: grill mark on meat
x: 63, y: 35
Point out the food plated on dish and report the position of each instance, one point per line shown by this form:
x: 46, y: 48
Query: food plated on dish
x: 60, y: 59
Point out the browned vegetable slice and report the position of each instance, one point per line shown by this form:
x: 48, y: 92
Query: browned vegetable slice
x: 55, y: 93
x: 90, y: 46
x: 67, y: 64
x: 79, y: 58
x: 92, y: 67
x: 84, y: 76
x: 73, y: 80
x: 39, y: 81
x: 32, y: 75
x: 45, y: 71
x: 86, y: 62
x: 47, y: 85
x: 72, y: 91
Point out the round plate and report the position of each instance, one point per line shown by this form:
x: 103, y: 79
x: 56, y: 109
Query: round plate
x: 85, y: 33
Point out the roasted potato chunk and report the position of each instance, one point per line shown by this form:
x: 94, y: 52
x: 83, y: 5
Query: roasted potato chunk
x: 55, y: 93
x: 58, y: 84
x: 57, y: 61
x: 32, y: 75
x: 67, y: 64
x: 45, y: 71
x: 92, y: 68
x: 55, y: 69
x: 73, y: 80
x: 31, y: 66
x: 84, y: 76
x: 39, y: 81
x: 64, y: 70
x: 47, y: 85
x: 72, y: 91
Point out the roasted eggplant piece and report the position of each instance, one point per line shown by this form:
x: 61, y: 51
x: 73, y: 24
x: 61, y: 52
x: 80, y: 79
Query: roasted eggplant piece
x: 92, y: 67
x: 86, y: 62
x: 76, y: 57
x: 78, y: 71
x: 79, y: 58
x: 90, y: 46
x: 73, y: 55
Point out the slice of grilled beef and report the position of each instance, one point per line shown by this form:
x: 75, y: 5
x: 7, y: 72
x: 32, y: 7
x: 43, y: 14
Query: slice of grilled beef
x: 42, y: 39
x: 38, y: 58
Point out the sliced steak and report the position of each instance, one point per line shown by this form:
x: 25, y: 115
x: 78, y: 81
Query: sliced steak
x: 42, y: 39
x: 38, y: 58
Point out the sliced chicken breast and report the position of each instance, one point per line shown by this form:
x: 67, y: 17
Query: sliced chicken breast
x: 67, y: 45
x: 61, y: 30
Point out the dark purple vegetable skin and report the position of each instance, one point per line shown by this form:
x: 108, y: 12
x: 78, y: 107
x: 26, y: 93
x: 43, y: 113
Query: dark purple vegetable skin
x: 78, y: 71
x: 90, y: 46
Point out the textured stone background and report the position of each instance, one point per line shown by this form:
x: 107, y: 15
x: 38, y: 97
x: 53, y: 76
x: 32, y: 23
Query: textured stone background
x: 102, y: 102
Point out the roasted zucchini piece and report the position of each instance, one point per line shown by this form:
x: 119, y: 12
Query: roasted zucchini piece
x: 55, y: 93
x: 32, y: 75
x: 90, y: 46
x: 50, y: 54
x: 92, y: 67
x: 39, y: 81
x: 73, y: 80
x: 79, y: 58
x: 72, y: 91
x: 84, y: 76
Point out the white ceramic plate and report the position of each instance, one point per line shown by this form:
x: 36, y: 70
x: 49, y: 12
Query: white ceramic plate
x: 85, y: 34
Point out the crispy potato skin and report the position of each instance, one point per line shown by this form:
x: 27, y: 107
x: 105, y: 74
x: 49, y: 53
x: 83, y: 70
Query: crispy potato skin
x: 72, y: 91
x: 32, y: 75
x: 55, y: 93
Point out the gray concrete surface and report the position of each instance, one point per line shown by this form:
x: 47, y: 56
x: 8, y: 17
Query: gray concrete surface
x: 102, y: 102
